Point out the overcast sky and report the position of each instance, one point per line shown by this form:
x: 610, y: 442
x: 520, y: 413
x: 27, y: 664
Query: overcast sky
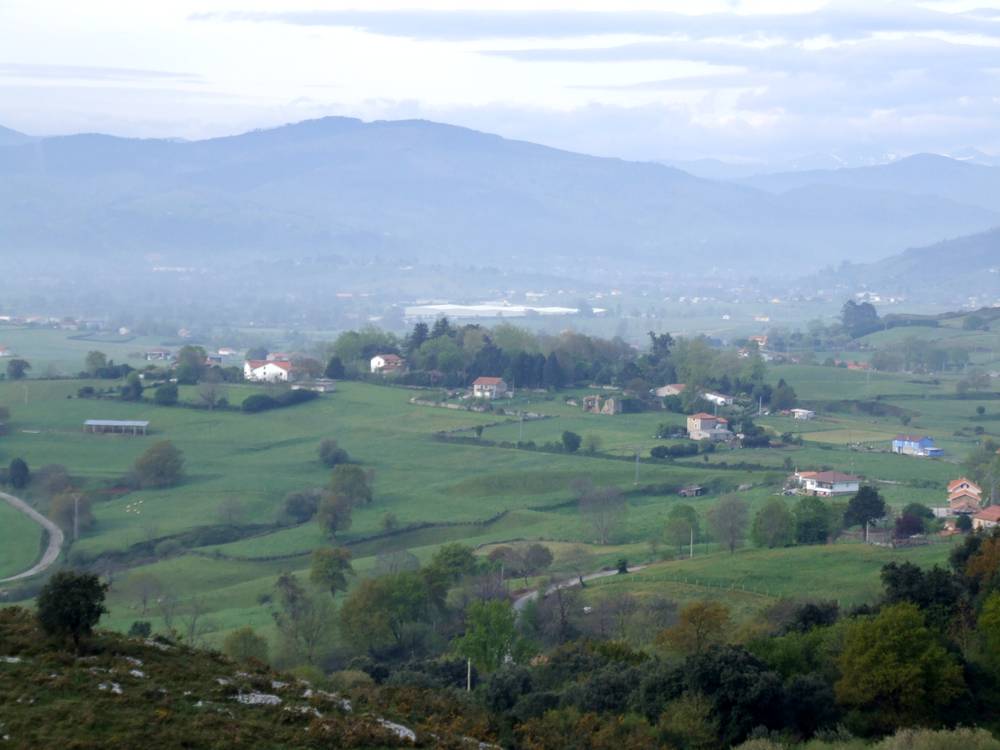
x: 742, y: 80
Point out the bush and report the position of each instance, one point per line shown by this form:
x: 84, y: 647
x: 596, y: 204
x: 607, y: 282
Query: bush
x: 140, y: 629
x: 261, y: 402
x: 332, y: 454
x: 166, y: 394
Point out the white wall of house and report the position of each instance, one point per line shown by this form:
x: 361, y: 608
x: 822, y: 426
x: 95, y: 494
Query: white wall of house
x: 266, y: 373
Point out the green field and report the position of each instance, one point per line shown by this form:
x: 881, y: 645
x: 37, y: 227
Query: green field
x: 752, y: 579
x: 478, y: 493
x: 20, y: 539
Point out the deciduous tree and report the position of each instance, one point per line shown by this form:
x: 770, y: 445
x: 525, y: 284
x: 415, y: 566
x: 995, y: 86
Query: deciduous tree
x: 773, y: 526
x: 728, y: 520
x: 162, y: 465
x: 895, y: 668
x: 700, y: 625
x: 331, y: 567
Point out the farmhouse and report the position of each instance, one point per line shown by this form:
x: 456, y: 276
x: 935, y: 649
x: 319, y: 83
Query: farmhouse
x: 704, y: 426
x: 916, y: 445
x: 117, y: 426
x: 718, y: 399
x: 987, y: 519
x: 5, y: 351
x: 387, y: 363
x: 827, y: 483
x: 487, y: 387
x: 673, y: 389
x: 596, y: 404
x: 803, y: 414
x: 262, y: 371
x: 760, y: 341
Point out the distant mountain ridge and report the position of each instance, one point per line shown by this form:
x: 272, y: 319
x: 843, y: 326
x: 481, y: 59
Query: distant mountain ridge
x: 415, y: 189
x: 923, y: 174
x: 10, y: 137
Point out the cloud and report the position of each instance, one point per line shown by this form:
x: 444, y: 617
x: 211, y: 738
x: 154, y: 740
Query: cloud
x: 87, y: 73
x: 468, y: 25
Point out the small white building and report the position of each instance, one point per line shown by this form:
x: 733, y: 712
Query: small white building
x: 487, y: 387
x: 802, y: 414
x: 262, y: 371
x: 386, y: 363
x: 827, y: 483
x: 719, y: 399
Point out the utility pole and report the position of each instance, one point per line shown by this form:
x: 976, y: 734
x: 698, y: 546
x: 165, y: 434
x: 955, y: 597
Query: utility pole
x: 691, y: 554
x: 520, y: 429
x: 635, y: 482
x: 76, y: 517
x: 468, y: 675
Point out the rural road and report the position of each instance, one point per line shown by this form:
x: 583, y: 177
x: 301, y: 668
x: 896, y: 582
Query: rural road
x: 522, y: 601
x: 55, y: 537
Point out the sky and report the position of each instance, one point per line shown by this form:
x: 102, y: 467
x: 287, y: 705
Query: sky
x: 747, y: 81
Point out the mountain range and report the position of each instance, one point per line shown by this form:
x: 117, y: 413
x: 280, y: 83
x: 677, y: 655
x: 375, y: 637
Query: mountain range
x: 417, y: 190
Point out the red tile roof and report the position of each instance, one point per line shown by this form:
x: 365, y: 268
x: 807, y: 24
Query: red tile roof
x: 703, y: 415
x: 991, y: 514
x: 954, y: 484
x: 255, y: 363
x: 484, y: 380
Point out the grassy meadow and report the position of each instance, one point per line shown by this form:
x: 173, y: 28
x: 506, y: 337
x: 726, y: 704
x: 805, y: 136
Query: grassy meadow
x: 476, y: 492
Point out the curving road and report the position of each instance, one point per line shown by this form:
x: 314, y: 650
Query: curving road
x: 55, y: 537
x: 522, y: 601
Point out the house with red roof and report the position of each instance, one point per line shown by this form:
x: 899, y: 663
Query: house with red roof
x: 387, y: 363
x: 704, y: 426
x: 263, y: 371
x: 987, y: 518
x: 489, y: 387
x: 964, y: 497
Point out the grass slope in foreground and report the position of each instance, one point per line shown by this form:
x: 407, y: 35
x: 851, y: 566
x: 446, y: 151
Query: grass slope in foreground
x: 127, y: 693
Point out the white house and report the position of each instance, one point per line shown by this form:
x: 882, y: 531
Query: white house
x: 827, y: 483
x: 486, y: 387
x: 262, y: 371
x: 718, y: 399
x: 386, y: 363
x: 803, y: 414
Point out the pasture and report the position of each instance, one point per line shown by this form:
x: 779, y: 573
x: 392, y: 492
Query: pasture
x: 479, y: 493
x: 20, y: 541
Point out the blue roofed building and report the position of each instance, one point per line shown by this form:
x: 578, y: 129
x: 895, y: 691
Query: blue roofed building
x: 916, y: 445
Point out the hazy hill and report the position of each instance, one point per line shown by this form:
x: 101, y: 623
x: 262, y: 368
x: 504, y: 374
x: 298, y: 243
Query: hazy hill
x: 10, y: 137
x: 923, y: 174
x: 420, y: 190
x: 965, y: 266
